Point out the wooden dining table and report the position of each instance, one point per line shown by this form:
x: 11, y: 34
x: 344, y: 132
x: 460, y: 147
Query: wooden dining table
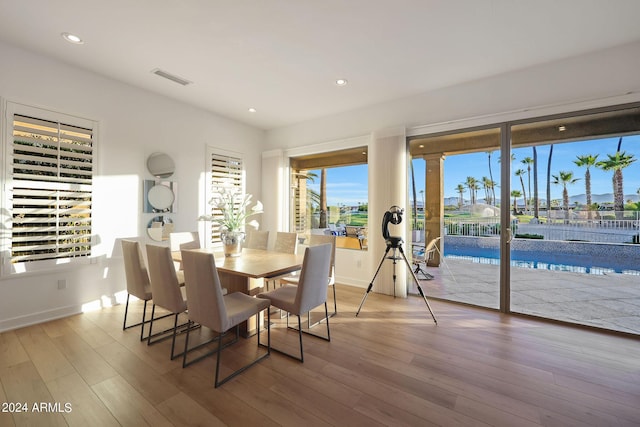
x: 247, y: 273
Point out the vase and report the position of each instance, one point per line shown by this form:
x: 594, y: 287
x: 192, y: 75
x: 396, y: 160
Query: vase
x: 232, y: 242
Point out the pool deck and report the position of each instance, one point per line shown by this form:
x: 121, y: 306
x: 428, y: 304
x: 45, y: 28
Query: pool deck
x: 609, y: 301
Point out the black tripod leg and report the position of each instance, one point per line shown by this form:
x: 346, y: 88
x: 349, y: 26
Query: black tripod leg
x: 364, y: 297
x: 418, y: 284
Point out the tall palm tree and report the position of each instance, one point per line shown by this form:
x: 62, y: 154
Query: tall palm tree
x: 528, y: 161
x: 536, y: 199
x: 472, y: 185
x: 460, y: 190
x: 489, y: 153
x: 616, y: 163
x: 415, y: 202
x: 587, y: 161
x: 323, y: 198
x: 565, y: 178
x: 515, y: 194
x: 487, y: 184
x: 549, y: 183
x: 519, y: 174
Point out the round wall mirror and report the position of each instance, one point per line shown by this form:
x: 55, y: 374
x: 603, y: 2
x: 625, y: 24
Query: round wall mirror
x: 160, y: 165
x: 161, y: 198
x: 159, y: 228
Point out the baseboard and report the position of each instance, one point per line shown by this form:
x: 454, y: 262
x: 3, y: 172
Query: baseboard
x: 35, y: 318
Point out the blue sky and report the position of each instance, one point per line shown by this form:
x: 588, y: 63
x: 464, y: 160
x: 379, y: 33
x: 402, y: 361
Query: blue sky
x: 457, y: 168
x: 348, y: 185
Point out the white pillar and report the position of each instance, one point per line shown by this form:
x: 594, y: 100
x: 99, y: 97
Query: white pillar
x: 387, y: 187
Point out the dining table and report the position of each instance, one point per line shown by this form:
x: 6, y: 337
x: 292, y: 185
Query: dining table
x: 247, y: 272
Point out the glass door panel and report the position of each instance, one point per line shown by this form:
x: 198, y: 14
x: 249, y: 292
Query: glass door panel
x: 575, y: 249
x: 455, y: 197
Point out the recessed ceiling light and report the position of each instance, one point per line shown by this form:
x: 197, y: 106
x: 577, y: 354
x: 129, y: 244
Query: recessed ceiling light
x: 562, y: 128
x: 72, y: 38
x: 341, y: 82
x: 252, y: 110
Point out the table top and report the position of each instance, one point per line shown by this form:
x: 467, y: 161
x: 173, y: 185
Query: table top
x: 254, y: 263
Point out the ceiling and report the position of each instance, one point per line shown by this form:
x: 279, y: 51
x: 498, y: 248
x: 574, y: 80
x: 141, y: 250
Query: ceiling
x: 282, y: 57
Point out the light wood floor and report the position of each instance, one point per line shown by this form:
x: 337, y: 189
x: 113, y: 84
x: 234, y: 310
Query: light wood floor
x: 389, y: 366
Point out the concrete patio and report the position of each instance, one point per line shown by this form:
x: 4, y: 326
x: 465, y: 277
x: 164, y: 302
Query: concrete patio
x: 610, y: 300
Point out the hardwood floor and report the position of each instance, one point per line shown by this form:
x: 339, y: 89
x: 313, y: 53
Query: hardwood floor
x: 389, y: 366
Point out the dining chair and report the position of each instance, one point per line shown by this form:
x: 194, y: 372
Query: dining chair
x: 286, y: 243
x: 311, y: 292
x: 257, y: 240
x: 183, y: 240
x: 138, y: 284
x: 314, y: 240
x: 167, y: 293
x: 209, y: 307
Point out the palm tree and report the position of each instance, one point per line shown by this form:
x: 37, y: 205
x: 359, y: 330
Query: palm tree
x: 565, y: 178
x: 491, y: 177
x: 536, y: 204
x: 323, y: 198
x: 515, y: 194
x: 616, y: 163
x: 549, y: 183
x: 519, y: 174
x: 587, y: 161
x: 415, y: 202
x: 487, y: 184
x: 460, y: 190
x: 528, y: 161
x: 472, y: 185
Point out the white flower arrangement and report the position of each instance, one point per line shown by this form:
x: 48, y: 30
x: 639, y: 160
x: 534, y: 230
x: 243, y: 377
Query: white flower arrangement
x: 235, y: 209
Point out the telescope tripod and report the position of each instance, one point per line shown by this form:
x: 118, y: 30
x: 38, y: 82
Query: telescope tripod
x: 395, y: 243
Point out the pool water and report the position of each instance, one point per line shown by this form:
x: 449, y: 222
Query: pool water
x: 576, y: 263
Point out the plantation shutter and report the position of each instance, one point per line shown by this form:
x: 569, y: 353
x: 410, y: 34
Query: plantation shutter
x: 226, y: 172
x: 51, y: 190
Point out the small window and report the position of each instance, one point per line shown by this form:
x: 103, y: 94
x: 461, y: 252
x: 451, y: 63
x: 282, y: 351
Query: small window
x: 50, y: 165
x: 226, y: 171
x: 330, y: 196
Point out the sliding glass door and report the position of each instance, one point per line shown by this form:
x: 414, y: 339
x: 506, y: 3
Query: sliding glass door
x: 539, y: 217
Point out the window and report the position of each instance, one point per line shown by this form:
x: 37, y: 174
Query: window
x: 330, y: 195
x: 226, y: 171
x: 50, y: 160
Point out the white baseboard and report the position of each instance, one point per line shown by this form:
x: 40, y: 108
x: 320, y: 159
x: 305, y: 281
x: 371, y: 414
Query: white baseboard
x: 35, y: 318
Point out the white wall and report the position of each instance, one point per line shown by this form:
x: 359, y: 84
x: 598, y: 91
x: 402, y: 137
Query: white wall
x: 603, y: 78
x: 132, y: 124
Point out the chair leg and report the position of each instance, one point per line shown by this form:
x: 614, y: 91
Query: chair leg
x: 300, y: 339
x: 126, y: 310
x: 144, y: 313
x: 153, y: 311
x: 218, y: 383
x: 173, y: 340
x: 335, y: 301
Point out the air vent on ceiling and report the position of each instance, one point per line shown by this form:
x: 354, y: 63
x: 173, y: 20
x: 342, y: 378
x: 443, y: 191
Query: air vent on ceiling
x: 173, y: 78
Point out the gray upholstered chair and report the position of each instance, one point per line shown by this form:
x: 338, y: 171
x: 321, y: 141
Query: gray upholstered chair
x: 166, y: 290
x: 210, y: 308
x: 286, y: 242
x: 257, y: 240
x: 320, y: 239
x: 184, y: 240
x: 310, y: 292
x: 137, y: 281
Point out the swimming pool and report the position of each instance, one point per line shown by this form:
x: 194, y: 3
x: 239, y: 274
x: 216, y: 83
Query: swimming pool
x: 577, y: 257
